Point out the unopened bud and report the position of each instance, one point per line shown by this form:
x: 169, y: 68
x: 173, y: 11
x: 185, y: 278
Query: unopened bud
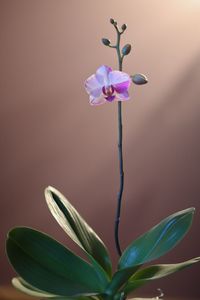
x: 106, y: 42
x: 139, y: 79
x: 126, y: 49
x: 124, y: 26
x: 112, y: 21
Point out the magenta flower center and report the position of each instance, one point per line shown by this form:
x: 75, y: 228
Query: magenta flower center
x: 108, y: 90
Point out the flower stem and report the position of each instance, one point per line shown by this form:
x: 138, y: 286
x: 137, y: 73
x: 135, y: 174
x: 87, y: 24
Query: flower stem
x: 120, y: 150
x: 119, y: 196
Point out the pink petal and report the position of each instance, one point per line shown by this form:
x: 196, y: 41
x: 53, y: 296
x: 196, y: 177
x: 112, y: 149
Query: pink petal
x: 102, y: 75
x: 97, y: 101
x: 122, y: 87
x: 120, y: 81
x: 93, y: 87
x: 123, y: 96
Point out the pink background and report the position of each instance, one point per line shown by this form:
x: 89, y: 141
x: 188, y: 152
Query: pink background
x: 50, y: 135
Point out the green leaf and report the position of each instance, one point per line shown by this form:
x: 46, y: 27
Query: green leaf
x: 151, y: 245
x: 72, y: 298
x: 76, y: 227
x: 49, y: 266
x: 150, y: 273
x: 158, y: 240
x: 102, y: 275
x: 75, y: 298
x: 156, y: 298
x: 28, y: 289
x: 119, y: 279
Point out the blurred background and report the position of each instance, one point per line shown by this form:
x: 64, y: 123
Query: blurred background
x: 50, y: 135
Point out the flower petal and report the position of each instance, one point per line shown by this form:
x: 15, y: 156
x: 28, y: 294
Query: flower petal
x: 97, y: 101
x: 102, y: 75
x: 120, y: 80
x: 123, y: 96
x: 92, y: 87
x: 122, y: 87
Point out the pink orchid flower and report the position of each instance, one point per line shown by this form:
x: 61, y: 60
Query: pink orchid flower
x: 107, y: 85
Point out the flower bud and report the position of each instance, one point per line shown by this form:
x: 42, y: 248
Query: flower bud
x: 139, y: 79
x: 112, y: 21
x: 126, y: 49
x: 124, y: 26
x: 106, y: 42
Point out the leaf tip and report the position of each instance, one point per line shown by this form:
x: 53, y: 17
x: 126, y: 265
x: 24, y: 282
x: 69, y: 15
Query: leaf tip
x: 187, y: 211
x: 197, y: 259
x: 49, y: 189
x: 49, y: 192
x: 190, y: 210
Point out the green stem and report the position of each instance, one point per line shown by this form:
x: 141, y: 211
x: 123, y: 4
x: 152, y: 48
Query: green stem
x: 120, y: 150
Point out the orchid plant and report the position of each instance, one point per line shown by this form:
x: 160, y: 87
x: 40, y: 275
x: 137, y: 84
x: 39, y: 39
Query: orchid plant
x: 48, y: 269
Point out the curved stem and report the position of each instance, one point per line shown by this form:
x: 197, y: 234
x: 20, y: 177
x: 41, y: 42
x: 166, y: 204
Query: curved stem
x: 120, y: 150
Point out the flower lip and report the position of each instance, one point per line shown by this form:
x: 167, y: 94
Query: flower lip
x: 110, y: 98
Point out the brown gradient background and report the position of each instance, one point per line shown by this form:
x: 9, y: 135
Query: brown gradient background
x: 50, y: 135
